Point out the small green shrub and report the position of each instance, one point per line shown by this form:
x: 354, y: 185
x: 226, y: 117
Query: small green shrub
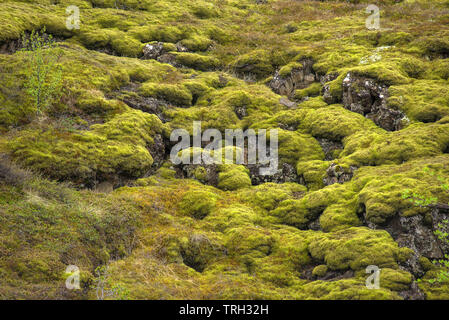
x: 44, y: 75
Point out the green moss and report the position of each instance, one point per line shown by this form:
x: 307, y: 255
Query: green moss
x: 383, y: 199
x: 118, y: 41
x: 395, y: 38
x: 426, y: 264
x: 340, y: 216
x: 251, y: 238
x: 249, y: 243
x: 288, y: 68
x: 269, y: 195
x: 234, y: 216
x: 94, y: 103
x: 198, y: 203
x: 296, y: 147
x: 205, y: 11
x: 348, y: 289
x: 233, y: 177
x: 440, y: 68
x: 163, y: 33
x: 293, y: 212
x: 174, y: 93
x: 423, y: 100
x: 355, y: 248
x: 255, y: 63
x: 196, y: 61
x: 46, y: 211
x: 434, y: 46
x: 320, y: 271
x: 197, y: 43
x: 311, y: 91
x: 313, y: 173
x: 200, y: 174
x: 198, y: 251
x: 396, y: 280
x: 117, y: 147
x: 334, y: 122
x: 415, y: 141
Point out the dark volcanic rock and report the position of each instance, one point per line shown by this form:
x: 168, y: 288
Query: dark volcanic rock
x: 338, y: 174
x: 153, y: 50
x: 205, y: 173
x: 414, y: 233
x: 241, y: 112
x: 146, y: 104
x: 329, y: 147
x: 299, y: 78
x: 157, y: 150
x: 287, y: 173
x: 368, y: 97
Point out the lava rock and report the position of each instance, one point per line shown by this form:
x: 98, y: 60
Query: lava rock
x: 299, y: 78
x: 153, y: 50
x: 367, y: 97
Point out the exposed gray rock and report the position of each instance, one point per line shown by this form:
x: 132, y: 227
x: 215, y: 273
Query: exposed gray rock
x: 241, y: 112
x: 299, y: 78
x: 181, y: 48
x: 414, y: 293
x: 329, y: 147
x: 338, y: 174
x: 287, y: 173
x: 327, y: 96
x: 418, y: 234
x: 328, y: 77
x: 134, y: 100
x: 153, y: 50
x: 368, y: 97
x: 286, y: 102
x: 157, y: 151
x: 169, y: 58
x: 209, y: 172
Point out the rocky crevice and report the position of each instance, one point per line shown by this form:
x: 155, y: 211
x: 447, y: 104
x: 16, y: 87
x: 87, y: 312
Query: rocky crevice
x: 130, y: 97
x: 338, y: 174
x: 13, y: 45
x: 330, y: 148
x: 417, y: 233
x: 285, y: 173
x: 298, y: 78
x: 368, y: 97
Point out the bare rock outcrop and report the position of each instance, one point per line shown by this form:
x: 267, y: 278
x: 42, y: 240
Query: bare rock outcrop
x: 298, y: 78
x: 153, y: 50
x: 286, y: 173
x: 368, y: 97
x: 338, y: 174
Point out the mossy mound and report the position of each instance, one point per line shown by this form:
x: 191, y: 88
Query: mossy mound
x: 118, y: 147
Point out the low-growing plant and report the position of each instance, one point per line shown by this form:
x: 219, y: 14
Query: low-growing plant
x: 104, y: 288
x: 43, y: 73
